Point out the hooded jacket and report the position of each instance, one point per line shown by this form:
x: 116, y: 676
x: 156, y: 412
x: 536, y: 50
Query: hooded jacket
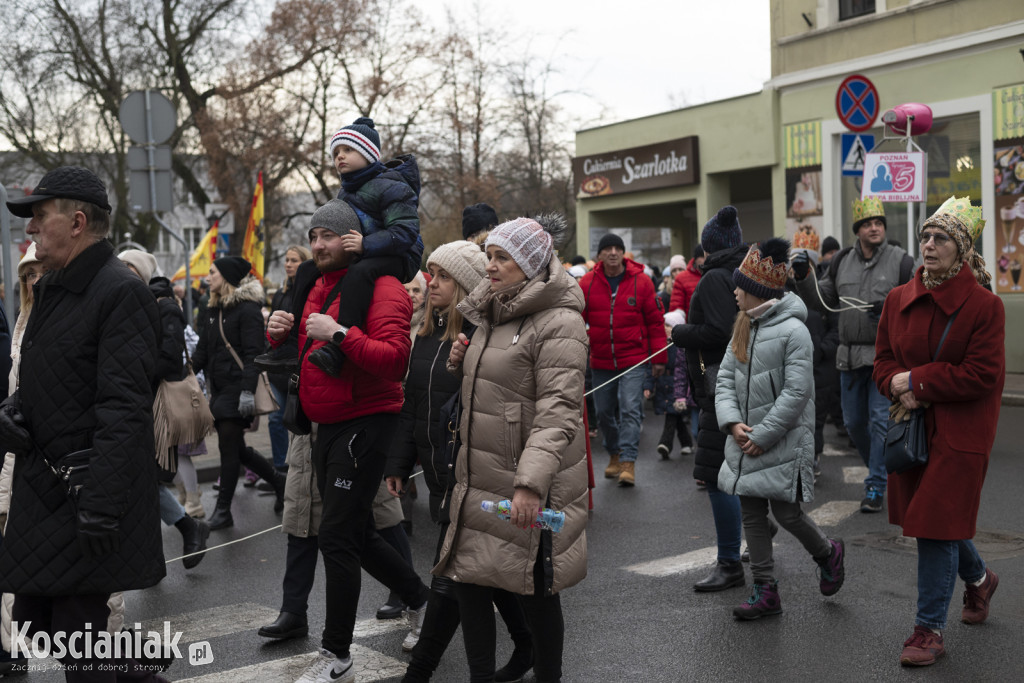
x: 773, y: 392
x: 243, y: 328
x: 964, y: 386
x: 624, y: 332
x: 705, y: 337
x: 87, y: 362
x: 522, y: 426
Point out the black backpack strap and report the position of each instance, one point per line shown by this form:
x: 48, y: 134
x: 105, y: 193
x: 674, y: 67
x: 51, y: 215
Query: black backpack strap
x: 323, y: 309
x: 833, y: 267
x: 906, y: 269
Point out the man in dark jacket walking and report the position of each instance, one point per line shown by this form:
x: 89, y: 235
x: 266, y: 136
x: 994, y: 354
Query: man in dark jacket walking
x: 625, y: 324
x: 85, y: 402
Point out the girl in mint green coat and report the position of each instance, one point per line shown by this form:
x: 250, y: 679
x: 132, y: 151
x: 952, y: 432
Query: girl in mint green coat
x: 764, y: 400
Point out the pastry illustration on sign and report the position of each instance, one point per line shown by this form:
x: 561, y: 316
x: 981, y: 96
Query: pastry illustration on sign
x: 594, y: 185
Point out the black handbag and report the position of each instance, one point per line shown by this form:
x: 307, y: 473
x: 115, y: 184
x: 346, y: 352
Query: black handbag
x: 906, y: 442
x: 294, y: 418
x: 710, y: 376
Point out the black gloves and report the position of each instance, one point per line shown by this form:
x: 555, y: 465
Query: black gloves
x: 98, y: 534
x: 801, y: 265
x: 13, y: 433
x: 875, y: 312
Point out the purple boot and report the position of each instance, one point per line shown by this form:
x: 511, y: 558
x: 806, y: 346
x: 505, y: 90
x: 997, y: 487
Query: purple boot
x: 762, y: 602
x: 833, y: 571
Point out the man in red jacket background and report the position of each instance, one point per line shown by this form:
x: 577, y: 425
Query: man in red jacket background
x: 626, y: 325
x: 354, y: 415
x: 686, y: 282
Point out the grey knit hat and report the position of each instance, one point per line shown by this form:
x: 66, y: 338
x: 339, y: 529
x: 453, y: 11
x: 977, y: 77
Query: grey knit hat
x: 526, y: 241
x: 337, y: 216
x: 463, y: 260
x: 143, y: 262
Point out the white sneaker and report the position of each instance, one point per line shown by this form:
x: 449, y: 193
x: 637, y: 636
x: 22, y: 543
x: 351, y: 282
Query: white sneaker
x: 416, y: 623
x: 685, y: 450
x: 327, y: 668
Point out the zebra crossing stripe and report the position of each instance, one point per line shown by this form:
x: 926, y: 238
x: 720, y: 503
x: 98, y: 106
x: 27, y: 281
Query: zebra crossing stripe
x: 677, y: 564
x: 370, y: 666
x: 833, y: 512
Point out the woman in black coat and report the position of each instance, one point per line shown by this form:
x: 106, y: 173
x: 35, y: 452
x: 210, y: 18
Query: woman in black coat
x: 705, y: 337
x: 234, y: 316
x: 455, y: 269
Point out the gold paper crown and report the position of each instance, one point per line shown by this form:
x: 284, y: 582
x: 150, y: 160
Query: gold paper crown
x: 867, y: 208
x: 968, y: 214
x: 764, y: 271
x: 806, y: 237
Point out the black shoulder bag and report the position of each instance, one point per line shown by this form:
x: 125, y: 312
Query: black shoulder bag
x: 295, y: 419
x: 906, y: 442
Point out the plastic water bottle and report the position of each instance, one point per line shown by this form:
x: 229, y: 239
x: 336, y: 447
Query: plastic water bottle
x: 547, y: 518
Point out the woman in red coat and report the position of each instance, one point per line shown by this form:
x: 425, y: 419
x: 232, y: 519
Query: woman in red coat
x: 961, y: 390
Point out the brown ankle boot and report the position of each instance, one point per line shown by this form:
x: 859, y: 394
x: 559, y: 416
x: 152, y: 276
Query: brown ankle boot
x: 627, y: 475
x: 612, y: 470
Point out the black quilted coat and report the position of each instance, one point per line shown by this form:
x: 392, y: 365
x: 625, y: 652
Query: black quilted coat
x: 707, y: 334
x: 87, y: 364
x: 428, y: 385
x: 243, y: 327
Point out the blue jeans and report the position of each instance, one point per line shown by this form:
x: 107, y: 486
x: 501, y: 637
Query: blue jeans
x: 866, y: 414
x: 620, y: 410
x: 278, y: 432
x: 170, y: 509
x: 725, y: 508
x: 938, y: 563
x: 694, y: 423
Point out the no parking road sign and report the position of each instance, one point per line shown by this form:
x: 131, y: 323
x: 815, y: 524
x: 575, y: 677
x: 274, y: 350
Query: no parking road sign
x: 857, y: 103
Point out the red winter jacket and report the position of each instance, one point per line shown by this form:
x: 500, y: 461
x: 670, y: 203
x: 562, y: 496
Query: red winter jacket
x: 375, y: 359
x: 683, y: 288
x: 625, y: 336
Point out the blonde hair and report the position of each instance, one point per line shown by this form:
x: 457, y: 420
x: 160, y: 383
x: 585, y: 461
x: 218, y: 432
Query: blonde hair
x: 741, y: 336
x: 304, y: 254
x: 226, y: 290
x: 453, y: 317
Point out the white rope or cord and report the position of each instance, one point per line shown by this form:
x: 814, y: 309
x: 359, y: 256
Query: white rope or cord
x: 223, y: 545
x: 629, y: 370
x: 852, y: 303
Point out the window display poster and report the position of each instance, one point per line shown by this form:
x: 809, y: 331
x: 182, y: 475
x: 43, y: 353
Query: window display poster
x: 804, y: 219
x: 1009, y: 180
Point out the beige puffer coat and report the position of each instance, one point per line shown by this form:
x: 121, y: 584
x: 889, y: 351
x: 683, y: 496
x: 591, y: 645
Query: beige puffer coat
x: 522, y: 426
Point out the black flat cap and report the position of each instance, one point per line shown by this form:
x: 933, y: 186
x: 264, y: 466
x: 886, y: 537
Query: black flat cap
x: 66, y: 182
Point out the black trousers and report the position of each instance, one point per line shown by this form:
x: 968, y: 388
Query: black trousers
x: 70, y: 614
x: 233, y: 454
x: 299, y: 573
x: 349, y: 458
x: 442, y: 620
x: 543, y: 614
x: 359, y: 283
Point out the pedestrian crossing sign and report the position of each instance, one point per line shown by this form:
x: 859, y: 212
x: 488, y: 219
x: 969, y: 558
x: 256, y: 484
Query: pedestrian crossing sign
x: 855, y: 146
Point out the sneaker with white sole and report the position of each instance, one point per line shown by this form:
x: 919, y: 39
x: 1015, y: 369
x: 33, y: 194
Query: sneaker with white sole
x: 327, y: 668
x: 415, y: 623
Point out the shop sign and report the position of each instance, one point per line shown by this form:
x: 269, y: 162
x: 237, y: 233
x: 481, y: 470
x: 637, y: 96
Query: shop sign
x: 895, y: 176
x: 666, y: 164
x: 1008, y: 113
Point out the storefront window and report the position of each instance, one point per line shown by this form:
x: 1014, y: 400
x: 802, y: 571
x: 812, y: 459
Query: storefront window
x: 954, y: 168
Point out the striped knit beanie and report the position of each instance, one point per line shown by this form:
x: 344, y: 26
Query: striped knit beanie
x: 360, y: 136
x: 526, y: 241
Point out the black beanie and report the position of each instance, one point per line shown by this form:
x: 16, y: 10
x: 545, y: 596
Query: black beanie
x: 610, y: 239
x: 830, y: 244
x: 477, y: 218
x: 722, y: 231
x: 233, y: 268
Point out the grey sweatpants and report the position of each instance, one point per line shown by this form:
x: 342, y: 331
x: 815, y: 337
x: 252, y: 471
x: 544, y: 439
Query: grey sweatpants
x: 790, y: 517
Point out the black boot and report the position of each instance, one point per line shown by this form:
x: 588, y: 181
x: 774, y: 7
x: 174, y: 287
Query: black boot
x: 724, y: 575
x: 519, y: 663
x: 392, y: 609
x: 221, y: 517
x: 328, y: 358
x: 667, y: 436
x: 194, y: 534
x: 287, y: 625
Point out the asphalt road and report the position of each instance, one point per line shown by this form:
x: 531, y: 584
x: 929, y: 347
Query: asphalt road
x: 646, y: 623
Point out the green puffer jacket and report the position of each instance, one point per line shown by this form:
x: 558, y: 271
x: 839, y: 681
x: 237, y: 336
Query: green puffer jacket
x: 774, y: 394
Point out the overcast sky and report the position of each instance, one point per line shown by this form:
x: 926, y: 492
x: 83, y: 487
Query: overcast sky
x: 640, y: 57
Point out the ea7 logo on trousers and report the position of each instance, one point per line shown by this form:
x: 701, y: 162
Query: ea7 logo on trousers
x: 343, y: 484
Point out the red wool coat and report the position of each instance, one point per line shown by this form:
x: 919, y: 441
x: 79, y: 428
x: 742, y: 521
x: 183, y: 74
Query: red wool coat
x: 635, y: 329
x: 683, y: 287
x: 964, y: 386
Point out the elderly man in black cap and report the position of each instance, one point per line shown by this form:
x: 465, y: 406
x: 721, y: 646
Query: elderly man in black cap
x: 84, y: 519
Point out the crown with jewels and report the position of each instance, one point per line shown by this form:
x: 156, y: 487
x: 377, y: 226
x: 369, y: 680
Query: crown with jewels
x: 764, y: 271
x: 867, y: 208
x: 806, y: 237
x: 968, y: 214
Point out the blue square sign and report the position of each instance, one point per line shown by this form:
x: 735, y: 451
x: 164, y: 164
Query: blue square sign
x: 855, y: 147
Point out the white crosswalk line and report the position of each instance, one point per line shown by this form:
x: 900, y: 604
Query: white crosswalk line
x: 831, y: 450
x: 855, y: 475
x: 833, y: 512
x: 676, y: 564
x: 213, y: 622
x: 375, y: 627
x: 370, y: 666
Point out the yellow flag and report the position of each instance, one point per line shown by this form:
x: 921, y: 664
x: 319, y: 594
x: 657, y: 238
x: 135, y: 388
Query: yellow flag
x: 252, y: 248
x: 202, y: 257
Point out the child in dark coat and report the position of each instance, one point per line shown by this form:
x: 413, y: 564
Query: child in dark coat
x: 667, y: 391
